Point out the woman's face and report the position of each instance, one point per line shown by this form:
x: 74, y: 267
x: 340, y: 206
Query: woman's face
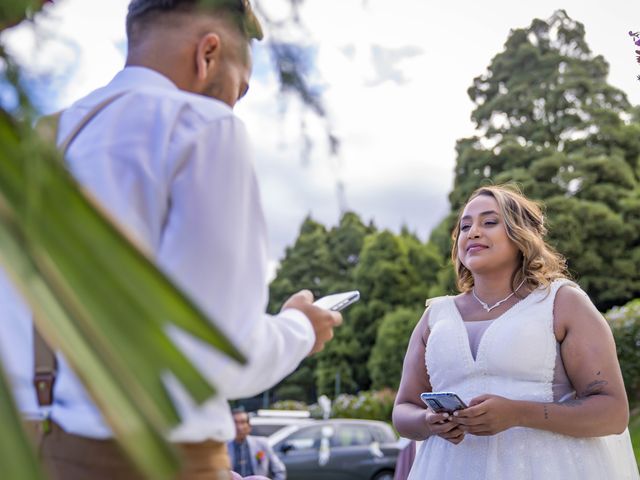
x: 483, y: 244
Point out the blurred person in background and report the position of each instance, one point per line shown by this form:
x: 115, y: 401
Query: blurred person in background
x: 253, y: 455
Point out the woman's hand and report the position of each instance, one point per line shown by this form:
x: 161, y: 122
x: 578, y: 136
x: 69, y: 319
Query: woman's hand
x: 441, y: 424
x: 487, y: 415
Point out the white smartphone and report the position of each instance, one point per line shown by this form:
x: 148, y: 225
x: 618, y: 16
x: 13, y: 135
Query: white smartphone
x: 338, y: 301
x: 441, y: 402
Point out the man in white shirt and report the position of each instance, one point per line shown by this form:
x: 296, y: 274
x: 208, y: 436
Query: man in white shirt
x: 168, y: 159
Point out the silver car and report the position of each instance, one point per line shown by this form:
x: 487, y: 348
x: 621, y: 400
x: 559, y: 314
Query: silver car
x: 337, y: 449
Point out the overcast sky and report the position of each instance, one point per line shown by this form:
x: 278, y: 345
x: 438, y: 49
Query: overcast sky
x: 394, y: 75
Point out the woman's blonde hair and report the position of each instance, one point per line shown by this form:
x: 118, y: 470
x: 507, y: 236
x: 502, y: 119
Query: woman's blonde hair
x: 540, y: 264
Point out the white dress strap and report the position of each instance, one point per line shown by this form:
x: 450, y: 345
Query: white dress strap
x: 433, y: 305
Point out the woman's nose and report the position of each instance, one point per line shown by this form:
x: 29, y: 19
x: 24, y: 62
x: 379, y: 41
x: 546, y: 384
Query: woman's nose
x: 474, y: 231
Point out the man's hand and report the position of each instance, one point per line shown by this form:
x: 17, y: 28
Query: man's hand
x: 322, y: 320
x: 487, y: 415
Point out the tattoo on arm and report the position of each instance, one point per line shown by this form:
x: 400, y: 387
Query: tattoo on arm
x: 546, y: 413
x: 594, y: 388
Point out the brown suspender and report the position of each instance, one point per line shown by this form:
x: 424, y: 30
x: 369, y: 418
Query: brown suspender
x: 44, y: 359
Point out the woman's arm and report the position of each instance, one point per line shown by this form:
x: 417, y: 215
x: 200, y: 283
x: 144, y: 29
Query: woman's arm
x: 589, y: 355
x: 410, y: 416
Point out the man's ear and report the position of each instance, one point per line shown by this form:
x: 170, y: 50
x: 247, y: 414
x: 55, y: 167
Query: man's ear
x: 208, y: 54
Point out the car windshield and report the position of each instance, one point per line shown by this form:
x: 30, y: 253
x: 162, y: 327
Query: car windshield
x: 352, y: 435
x: 265, y: 430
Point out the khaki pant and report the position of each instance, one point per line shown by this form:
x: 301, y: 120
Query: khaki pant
x: 71, y: 457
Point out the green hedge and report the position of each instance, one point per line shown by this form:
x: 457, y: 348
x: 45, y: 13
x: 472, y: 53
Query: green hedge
x: 625, y: 324
x: 374, y: 405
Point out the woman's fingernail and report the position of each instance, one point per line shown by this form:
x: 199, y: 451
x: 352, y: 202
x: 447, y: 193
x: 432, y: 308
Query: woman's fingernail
x: 446, y: 415
x: 455, y: 414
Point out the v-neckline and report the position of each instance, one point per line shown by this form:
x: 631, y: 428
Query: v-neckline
x: 465, y: 333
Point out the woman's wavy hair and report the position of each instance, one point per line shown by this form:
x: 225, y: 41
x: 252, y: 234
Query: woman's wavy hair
x: 540, y: 263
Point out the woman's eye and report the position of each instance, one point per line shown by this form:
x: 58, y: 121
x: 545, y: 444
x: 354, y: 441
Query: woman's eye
x: 491, y: 222
x: 464, y: 228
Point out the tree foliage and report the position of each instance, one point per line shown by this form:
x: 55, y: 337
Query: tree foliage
x: 548, y: 120
x: 625, y: 323
x: 387, y: 355
x: 390, y: 270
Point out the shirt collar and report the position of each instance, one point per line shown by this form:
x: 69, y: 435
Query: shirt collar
x: 134, y: 76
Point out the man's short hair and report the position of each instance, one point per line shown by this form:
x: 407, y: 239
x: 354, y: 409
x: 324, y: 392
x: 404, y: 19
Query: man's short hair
x: 239, y: 409
x: 239, y: 11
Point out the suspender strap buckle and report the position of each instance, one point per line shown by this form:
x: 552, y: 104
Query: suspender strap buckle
x: 43, y: 381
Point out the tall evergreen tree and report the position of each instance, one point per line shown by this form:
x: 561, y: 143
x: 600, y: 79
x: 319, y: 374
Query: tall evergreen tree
x: 387, y: 355
x: 307, y: 264
x: 322, y: 261
x: 393, y: 271
x: 548, y: 120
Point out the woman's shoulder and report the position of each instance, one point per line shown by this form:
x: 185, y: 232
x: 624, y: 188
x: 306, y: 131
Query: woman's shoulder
x: 569, y: 295
x: 573, y: 308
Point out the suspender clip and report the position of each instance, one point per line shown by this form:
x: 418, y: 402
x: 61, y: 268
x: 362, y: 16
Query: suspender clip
x: 43, y: 381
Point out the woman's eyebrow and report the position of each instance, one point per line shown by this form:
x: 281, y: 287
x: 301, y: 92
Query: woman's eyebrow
x: 482, y: 214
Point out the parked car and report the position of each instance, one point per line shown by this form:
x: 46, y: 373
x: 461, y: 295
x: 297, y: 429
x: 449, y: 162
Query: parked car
x: 337, y: 449
x: 265, y: 423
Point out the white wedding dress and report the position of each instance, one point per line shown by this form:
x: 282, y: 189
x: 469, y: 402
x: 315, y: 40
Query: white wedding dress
x: 515, y: 359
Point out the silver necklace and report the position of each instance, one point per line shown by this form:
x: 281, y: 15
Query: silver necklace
x: 499, y: 302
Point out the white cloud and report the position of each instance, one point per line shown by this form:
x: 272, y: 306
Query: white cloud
x: 398, y: 137
x: 78, y: 39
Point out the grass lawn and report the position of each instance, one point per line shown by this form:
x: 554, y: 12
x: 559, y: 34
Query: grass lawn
x: 634, y: 429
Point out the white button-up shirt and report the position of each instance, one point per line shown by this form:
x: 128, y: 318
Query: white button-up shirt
x: 176, y: 170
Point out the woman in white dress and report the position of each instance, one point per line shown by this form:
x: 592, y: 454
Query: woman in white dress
x: 526, y: 350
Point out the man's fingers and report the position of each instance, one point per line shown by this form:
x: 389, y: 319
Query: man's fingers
x: 301, y: 300
x: 323, y: 321
x: 306, y: 295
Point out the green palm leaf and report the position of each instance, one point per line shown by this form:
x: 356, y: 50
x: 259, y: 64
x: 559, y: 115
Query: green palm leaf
x: 16, y: 456
x: 97, y: 298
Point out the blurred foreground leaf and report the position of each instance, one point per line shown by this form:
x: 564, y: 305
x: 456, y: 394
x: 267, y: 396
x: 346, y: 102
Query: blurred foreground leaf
x: 16, y: 456
x: 97, y: 298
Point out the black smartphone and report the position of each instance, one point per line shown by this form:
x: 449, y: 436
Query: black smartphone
x: 338, y: 301
x: 441, y: 402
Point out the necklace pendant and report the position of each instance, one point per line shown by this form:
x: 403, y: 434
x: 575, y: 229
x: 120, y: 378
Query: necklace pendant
x: 499, y: 302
